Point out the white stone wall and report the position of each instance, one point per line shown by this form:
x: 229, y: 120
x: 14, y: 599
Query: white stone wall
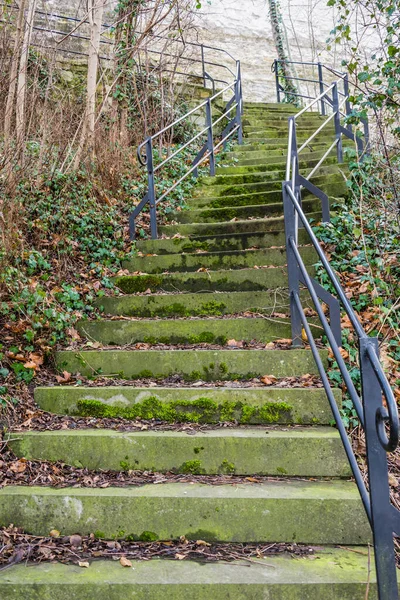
x: 243, y: 28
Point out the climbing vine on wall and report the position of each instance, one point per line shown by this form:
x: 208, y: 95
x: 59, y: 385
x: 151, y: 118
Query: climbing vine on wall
x: 284, y: 71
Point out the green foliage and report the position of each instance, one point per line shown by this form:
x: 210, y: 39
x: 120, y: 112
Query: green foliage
x: 363, y: 241
x: 377, y: 77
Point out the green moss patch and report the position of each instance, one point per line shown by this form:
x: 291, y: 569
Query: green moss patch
x: 201, y: 410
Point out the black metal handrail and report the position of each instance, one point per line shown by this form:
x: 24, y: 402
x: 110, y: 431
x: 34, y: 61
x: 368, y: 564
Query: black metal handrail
x: 232, y: 115
x: 379, y: 422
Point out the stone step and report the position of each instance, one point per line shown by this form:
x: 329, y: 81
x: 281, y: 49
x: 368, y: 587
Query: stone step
x: 274, y: 163
x: 293, y: 452
x: 190, y: 365
x: 247, y: 206
x: 194, y: 305
x: 273, y: 174
x: 270, y: 153
x: 310, y: 512
x: 272, y: 108
x: 272, y: 146
x: 244, y: 280
x: 328, y: 573
x: 215, y: 243
x: 244, y: 188
x: 273, y: 198
x: 261, y: 141
x: 250, y: 405
x: 282, y: 129
x: 269, y: 106
x: 275, y: 119
x: 193, y: 330
x: 231, y: 259
x: 302, y: 134
x: 227, y: 227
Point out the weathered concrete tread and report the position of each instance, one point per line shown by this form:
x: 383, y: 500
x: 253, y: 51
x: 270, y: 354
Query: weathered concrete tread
x: 328, y: 574
x: 209, y: 365
x: 308, y: 405
x: 298, y: 452
x: 311, y: 512
x: 183, y: 331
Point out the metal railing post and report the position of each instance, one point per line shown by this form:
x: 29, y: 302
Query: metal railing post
x: 292, y: 266
x: 203, y: 66
x: 381, y: 522
x: 238, y: 101
x: 210, y: 137
x: 152, y: 189
x: 346, y: 93
x: 321, y: 88
x: 338, y: 133
x: 278, y: 92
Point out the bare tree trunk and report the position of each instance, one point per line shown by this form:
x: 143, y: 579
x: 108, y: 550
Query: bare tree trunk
x: 95, y: 13
x: 14, y: 73
x: 22, y: 78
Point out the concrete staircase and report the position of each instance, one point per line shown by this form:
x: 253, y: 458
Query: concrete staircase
x: 222, y: 277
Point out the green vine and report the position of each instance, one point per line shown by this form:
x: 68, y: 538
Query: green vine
x: 285, y: 74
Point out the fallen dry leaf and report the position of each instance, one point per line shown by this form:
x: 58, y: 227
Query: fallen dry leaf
x: 124, y: 562
x: 83, y: 564
x: 54, y: 533
x: 268, y: 380
x: 64, y: 377
x: 202, y: 543
x: 18, y: 466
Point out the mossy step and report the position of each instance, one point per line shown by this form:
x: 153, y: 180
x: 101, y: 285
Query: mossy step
x: 238, y: 188
x: 302, y: 135
x: 240, y: 207
x: 278, y: 163
x: 271, y: 153
x: 230, y: 259
x: 215, y: 243
x: 269, y: 130
x: 252, y: 405
x: 277, y: 142
x: 272, y: 174
x: 281, y: 120
x: 328, y: 573
x: 311, y: 512
x: 272, y: 200
x: 205, y: 281
x: 185, y: 331
x: 190, y: 365
x: 296, y: 452
x: 272, y: 108
x: 226, y: 227
x: 272, y: 146
x: 193, y: 305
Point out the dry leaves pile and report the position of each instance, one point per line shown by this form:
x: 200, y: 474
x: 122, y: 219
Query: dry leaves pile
x: 17, y: 546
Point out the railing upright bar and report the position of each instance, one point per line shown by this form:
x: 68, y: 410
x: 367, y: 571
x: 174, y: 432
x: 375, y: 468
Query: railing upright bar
x: 321, y: 88
x: 346, y: 93
x: 278, y: 92
x: 151, y: 188
x: 338, y: 130
x: 238, y: 100
x: 382, y: 526
x: 292, y: 266
x: 210, y: 137
x: 203, y: 66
